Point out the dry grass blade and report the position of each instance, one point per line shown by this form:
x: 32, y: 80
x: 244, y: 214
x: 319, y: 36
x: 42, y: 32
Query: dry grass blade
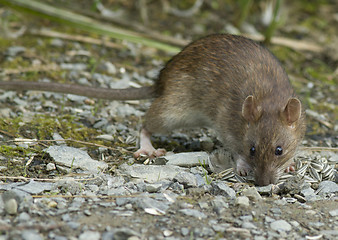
x: 78, y: 38
x: 287, y: 42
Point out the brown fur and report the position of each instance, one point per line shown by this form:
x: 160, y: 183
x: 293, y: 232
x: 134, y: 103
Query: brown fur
x: 205, y: 86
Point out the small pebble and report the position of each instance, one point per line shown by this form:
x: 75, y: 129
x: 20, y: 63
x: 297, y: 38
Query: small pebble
x: 333, y: 213
x: 242, y: 201
x: 90, y: 235
x: 11, y: 206
x: 248, y: 225
x: 252, y: 194
x: 184, y: 231
x: 281, y: 225
x: 31, y: 235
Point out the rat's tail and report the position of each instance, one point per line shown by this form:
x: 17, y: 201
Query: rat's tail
x: 92, y: 92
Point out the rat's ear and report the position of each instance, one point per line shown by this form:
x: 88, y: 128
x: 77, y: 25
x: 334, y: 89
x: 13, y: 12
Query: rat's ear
x: 251, y: 111
x: 292, y: 111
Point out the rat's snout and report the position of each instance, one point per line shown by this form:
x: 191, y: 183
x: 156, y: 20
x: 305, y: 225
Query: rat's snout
x: 263, y: 178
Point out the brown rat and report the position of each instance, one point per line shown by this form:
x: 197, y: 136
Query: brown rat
x: 230, y: 84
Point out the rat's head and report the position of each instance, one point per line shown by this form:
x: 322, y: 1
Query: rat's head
x: 272, y: 137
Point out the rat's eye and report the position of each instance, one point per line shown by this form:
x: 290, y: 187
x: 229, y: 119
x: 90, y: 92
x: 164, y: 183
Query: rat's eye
x: 252, y: 151
x: 279, y: 150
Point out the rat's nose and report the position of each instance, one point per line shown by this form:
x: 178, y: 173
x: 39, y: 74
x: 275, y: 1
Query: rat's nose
x: 265, y: 179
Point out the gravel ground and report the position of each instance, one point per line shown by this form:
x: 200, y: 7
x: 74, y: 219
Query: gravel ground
x: 80, y: 196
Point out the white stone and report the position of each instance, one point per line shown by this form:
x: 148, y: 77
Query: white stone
x: 151, y: 173
x: 281, y: 225
x: 242, y: 201
x: 189, y: 159
x: 75, y: 158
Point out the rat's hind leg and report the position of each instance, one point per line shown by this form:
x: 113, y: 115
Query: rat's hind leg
x: 163, y: 116
x: 146, y: 148
x: 153, y: 124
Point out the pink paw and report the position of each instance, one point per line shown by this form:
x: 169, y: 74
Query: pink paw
x: 242, y: 167
x: 151, y: 153
x: 290, y: 168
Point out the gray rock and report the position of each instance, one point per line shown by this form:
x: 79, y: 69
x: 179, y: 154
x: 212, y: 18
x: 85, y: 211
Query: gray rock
x: 8, y: 95
x: 76, y: 98
x: 246, y: 218
x: 73, y: 225
x: 120, y: 234
x: 90, y: 235
x: 327, y: 187
x: 187, y: 179
x: 281, y: 225
x: 184, y: 231
x: 31, y: 235
x: 23, y: 199
x: 114, y: 182
x: 264, y: 189
x: 221, y: 188
x: 219, y: 204
x: 206, y: 232
x: 110, y: 68
x: 50, y: 167
x: 15, y: 50
x: 69, y: 186
x: 295, y: 223
x: 220, y: 227
x: 50, y: 105
x: 252, y: 194
x: 34, y: 187
x: 2, y: 206
x: 248, y: 225
x: 281, y: 202
x: 73, y: 66
x: 101, y: 123
x: 203, y: 180
x: 4, y: 113
x: 317, y: 225
x: 334, y: 213
x: 276, y: 211
x: 59, y: 238
x: 193, y: 213
x: 152, y: 203
x: 11, y: 206
x: 56, y: 42
x: 308, y: 193
x: 24, y: 217
x: 242, y: 201
x: 329, y: 233
x: 151, y: 173
x: 203, y: 205
x: 118, y: 191
x: 10, y: 186
x: 259, y: 238
x: 189, y: 159
x: 124, y: 200
x: 20, y: 102
x: 75, y: 158
x: 269, y: 219
x: 153, y: 187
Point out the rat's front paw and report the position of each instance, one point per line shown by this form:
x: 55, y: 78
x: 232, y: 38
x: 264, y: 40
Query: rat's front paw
x: 242, y: 167
x: 150, y: 152
x: 290, y: 168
